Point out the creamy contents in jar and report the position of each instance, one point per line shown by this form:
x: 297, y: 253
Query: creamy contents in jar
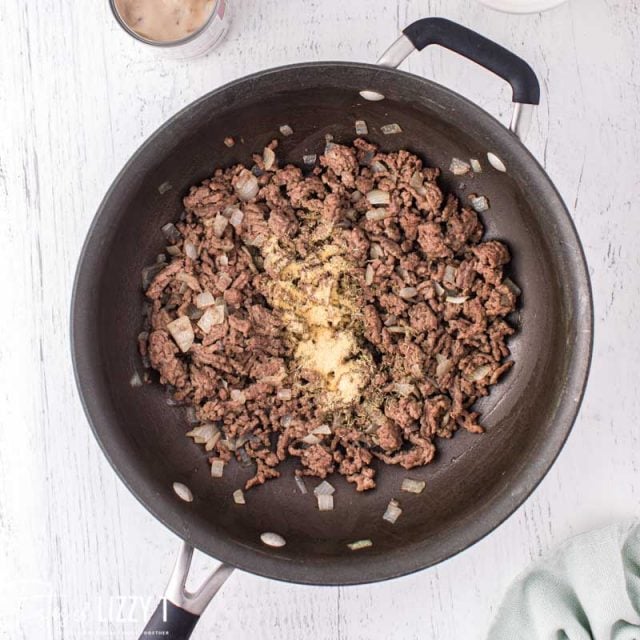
x: 164, y: 20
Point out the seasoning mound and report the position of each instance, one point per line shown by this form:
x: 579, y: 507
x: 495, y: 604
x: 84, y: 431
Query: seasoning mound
x: 339, y: 315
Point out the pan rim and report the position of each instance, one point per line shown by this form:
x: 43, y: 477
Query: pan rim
x: 373, y: 568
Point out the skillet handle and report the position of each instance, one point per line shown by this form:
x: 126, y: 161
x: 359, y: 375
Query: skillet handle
x: 485, y: 52
x: 179, y: 610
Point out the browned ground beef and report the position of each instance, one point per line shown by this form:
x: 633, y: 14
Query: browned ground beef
x: 431, y: 304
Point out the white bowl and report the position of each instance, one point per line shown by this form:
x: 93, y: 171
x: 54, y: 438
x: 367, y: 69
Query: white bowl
x: 522, y: 6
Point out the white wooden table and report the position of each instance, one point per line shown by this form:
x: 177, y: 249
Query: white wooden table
x: 79, y: 557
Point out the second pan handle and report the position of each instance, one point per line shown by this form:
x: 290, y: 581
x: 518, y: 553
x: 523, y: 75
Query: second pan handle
x: 481, y: 50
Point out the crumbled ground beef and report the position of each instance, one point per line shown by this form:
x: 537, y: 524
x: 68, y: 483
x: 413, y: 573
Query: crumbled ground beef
x: 433, y: 301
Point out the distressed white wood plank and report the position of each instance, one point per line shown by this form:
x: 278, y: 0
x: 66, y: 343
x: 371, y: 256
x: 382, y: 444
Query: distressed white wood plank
x: 78, y: 98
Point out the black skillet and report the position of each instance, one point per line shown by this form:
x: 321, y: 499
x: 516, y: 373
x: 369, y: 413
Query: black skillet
x: 477, y: 481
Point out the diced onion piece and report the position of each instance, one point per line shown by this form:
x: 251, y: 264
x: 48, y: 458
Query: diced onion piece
x: 361, y: 128
x: 190, y: 250
x: 286, y: 421
x: 377, y: 167
x: 272, y: 539
x: 229, y: 142
x: 375, y: 251
x: 407, y: 293
x: 309, y: 159
x: 359, y: 544
x: 325, y: 502
x: 212, y: 316
x: 323, y: 430
x: 212, y: 441
x: 377, y: 196
x: 459, y: 167
x: 444, y: 365
x: 417, y: 180
x: 456, y: 299
x: 450, y: 275
x: 164, y: 187
x: 219, y: 225
x: 286, y: 130
x: 149, y: 274
x: 205, y: 299
x: 301, y: 485
x: 237, y: 396
x: 390, y: 129
x: 183, y: 492
x: 479, y: 203
x: 135, y: 380
x: 182, y: 332
x: 247, y: 185
x: 398, y: 329
x: 413, y: 486
x: 377, y: 214
x: 238, y: 497
x: 438, y: 287
x: 324, y: 488
x: 170, y: 232
x: 475, y: 165
x: 284, y: 394
x: 173, y: 250
x: 368, y: 275
x: 393, y: 512
x: 404, y: 388
x: 512, y: 286
x: 217, y: 468
x: 480, y: 372
x: 189, y: 280
x: 269, y: 158
x: 203, y: 433
x: 311, y: 439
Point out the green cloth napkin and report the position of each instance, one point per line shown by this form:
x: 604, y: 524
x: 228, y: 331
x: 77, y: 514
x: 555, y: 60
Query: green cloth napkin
x: 588, y: 589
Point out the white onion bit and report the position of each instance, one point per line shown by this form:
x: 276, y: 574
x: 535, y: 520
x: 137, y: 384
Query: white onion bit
x: 457, y: 299
x: 309, y: 159
x: 323, y: 430
x: 393, y: 512
x: 284, y: 394
x: 238, y: 497
x: 190, y: 250
x: 247, y: 185
x: 377, y: 196
x: 479, y: 203
x: 204, y: 300
x: 444, y: 365
x: 377, y: 214
x: 475, y: 165
x: 183, y: 492
x: 325, y: 502
x: 359, y: 544
x: 286, y: 130
x: 368, y: 275
x: 135, y: 380
x: 219, y: 225
x: 164, y: 187
x: 269, y: 158
x: 217, y: 468
x: 182, y: 332
x: 361, y: 128
x: 272, y: 539
x: 301, y: 485
x: 413, y: 486
x: 212, y: 316
x: 512, y: 286
x: 390, y: 129
x: 480, y: 372
x: 203, y: 433
x: 324, y: 488
x: 459, y: 167
x: 311, y: 439
x: 408, y: 292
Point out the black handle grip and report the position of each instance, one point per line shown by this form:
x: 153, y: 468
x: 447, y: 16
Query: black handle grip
x: 484, y: 52
x: 169, y: 622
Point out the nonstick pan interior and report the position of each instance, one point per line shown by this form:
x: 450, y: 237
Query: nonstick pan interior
x: 477, y: 481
